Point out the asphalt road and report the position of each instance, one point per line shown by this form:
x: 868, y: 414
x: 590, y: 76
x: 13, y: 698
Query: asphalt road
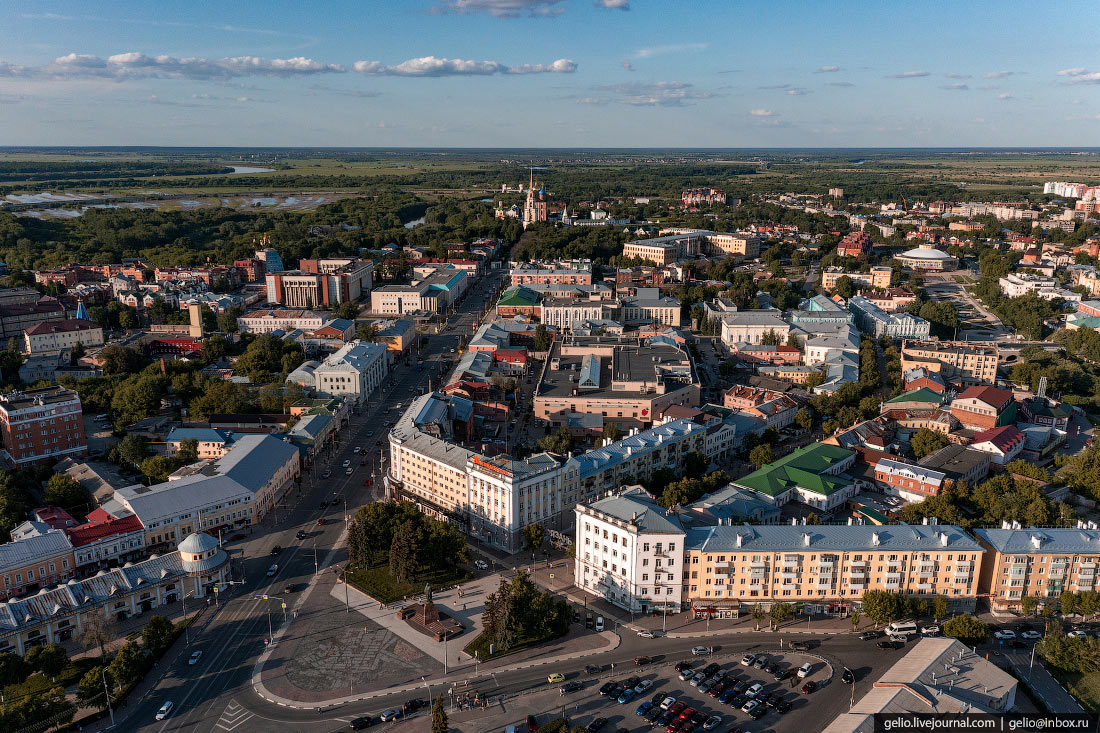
x: 215, y: 694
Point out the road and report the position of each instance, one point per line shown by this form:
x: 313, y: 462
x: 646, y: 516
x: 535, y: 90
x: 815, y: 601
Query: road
x: 218, y: 686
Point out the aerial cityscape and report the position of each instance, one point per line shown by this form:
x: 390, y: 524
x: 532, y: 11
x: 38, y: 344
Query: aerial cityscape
x: 548, y: 365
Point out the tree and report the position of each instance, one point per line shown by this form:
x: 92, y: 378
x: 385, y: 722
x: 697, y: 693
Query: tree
x: 1067, y: 602
x: 695, y: 464
x: 560, y: 442
x: 67, y: 493
x: 854, y: 620
x: 188, y: 451
x: 366, y: 331
x: 533, y: 536
x: 127, y: 664
x: 439, y: 716
x: 780, y: 612
x: 769, y: 338
x: 118, y: 359
x: 13, y: 669
x: 90, y: 692
x: 403, y: 552
x: 757, y: 615
x: 49, y: 659
x: 761, y: 455
x: 881, y: 606
x: 925, y: 442
x: 967, y: 629
x: 939, y: 607
x: 542, y: 338
x: 804, y: 418
x: 157, y: 634
x: 1029, y: 605
x: 843, y: 287
x: 227, y: 320
x: 132, y: 449
x: 128, y: 319
x: 98, y: 629
x: 612, y: 432
x: 813, y: 518
x: 348, y: 310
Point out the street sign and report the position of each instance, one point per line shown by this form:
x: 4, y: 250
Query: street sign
x: 265, y: 595
x: 284, y: 604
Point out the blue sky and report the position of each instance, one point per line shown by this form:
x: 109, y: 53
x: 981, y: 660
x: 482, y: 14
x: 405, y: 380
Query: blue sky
x: 550, y: 73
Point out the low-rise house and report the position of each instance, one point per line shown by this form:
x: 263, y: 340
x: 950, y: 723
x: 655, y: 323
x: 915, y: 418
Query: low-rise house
x: 1003, y: 444
x: 957, y: 463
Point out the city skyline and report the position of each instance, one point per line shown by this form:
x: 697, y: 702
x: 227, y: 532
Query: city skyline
x: 548, y: 73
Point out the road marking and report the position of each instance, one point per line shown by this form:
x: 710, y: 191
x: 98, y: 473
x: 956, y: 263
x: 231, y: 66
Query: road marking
x: 233, y: 716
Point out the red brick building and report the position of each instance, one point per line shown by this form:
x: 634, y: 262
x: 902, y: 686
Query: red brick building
x: 856, y: 244
x: 984, y: 407
x: 39, y: 424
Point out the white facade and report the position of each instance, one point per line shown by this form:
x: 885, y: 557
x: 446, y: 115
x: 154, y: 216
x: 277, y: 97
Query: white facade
x: 750, y: 327
x: 267, y: 321
x: 878, y: 323
x: 354, y: 371
x: 564, y: 313
x: 505, y: 496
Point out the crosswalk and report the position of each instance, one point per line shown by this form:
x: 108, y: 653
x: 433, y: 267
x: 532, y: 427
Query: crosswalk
x: 233, y: 716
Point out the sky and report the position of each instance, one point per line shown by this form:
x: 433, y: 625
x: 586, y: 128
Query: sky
x: 551, y: 73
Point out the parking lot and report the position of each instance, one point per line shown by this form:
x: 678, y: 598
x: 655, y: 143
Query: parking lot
x: 717, y: 693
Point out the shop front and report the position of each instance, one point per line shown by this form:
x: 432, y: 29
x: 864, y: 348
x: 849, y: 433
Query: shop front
x: 711, y: 609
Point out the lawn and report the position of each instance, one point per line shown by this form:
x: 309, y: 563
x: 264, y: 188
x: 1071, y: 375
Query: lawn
x: 1084, y: 687
x: 379, y: 584
x: 480, y: 645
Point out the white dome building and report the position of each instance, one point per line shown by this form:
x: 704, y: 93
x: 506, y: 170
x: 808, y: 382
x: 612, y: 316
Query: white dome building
x: 927, y: 257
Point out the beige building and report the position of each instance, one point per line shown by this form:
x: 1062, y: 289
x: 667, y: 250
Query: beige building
x: 878, y: 278
x: 675, y: 243
x: 621, y: 380
x: 563, y: 313
x: 657, y: 252
x: 58, y: 335
x: 964, y: 362
x: 731, y: 568
x: 1041, y: 563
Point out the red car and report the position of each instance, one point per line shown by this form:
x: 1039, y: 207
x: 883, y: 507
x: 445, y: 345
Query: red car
x: 320, y: 521
x: 642, y: 660
x: 809, y: 687
x: 532, y: 724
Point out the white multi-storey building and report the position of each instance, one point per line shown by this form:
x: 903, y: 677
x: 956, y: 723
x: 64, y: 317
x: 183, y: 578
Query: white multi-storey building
x: 354, y: 371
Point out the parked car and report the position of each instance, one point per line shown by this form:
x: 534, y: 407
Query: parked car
x: 755, y: 690
x: 599, y: 627
x: 781, y: 674
x: 165, y: 710
x: 809, y: 687
x: 626, y: 696
x: 642, y: 660
x: 782, y: 706
x: 644, y: 708
x: 361, y: 723
x: 749, y: 706
x: 596, y: 724
x: 532, y: 723
x: 747, y: 660
x: 592, y: 669
x: 868, y: 635
x: 607, y: 688
x: 194, y: 658
x: 760, y: 662
x: 276, y: 550
x: 932, y: 630
x: 570, y: 687
x: 1004, y: 634
x: 1078, y: 634
x: 805, y: 670
x: 388, y: 715
x: 681, y: 666
x: 701, y: 651
x: 847, y: 677
x: 643, y: 687
x: 890, y: 645
x: 667, y: 703
x: 697, y: 679
x: 1031, y: 634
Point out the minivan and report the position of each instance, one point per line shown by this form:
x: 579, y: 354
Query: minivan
x: 599, y: 623
x: 908, y: 628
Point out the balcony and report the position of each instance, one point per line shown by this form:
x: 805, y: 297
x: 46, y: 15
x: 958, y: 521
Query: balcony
x: 894, y: 563
x: 926, y: 573
x: 858, y: 563
x: 857, y: 574
x: 1014, y: 595
x: 963, y: 578
x: 723, y: 571
x: 758, y: 564
x: 858, y: 586
x: 788, y: 563
x: 756, y: 586
x: 1018, y: 573
x: 790, y: 576
x: 893, y: 576
x: 923, y: 586
x: 758, y: 575
x: 892, y: 584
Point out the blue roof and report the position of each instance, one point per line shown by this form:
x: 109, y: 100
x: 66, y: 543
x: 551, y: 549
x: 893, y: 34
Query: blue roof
x: 590, y: 371
x: 1019, y: 541
x: 203, y: 435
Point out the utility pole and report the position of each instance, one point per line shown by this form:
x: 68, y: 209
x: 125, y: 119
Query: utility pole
x: 103, y: 673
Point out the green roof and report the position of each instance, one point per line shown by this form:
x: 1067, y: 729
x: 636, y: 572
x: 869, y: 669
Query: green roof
x: 517, y: 295
x: 803, y: 468
x: 918, y: 395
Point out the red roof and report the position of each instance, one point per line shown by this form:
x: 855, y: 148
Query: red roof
x: 989, y: 395
x: 1003, y: 438
x: 99, y: 515
x: 88, y: 533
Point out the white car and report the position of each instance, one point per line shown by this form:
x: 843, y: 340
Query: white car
x: 702, y: 651
x: 195, y: 657
x: 1004, y: 634
x: 754, y: 690
x: 805, y: 670
x: 348, y: 472
x: 750, y: 706
x: 165, y: 710
x: 667, y: 703
x: 712, y: 722
x: 932, y: 630
x: 697, y: 679
x: 1031, y: 635
x: 645, y: 634
x: 272, y: 570
x: 747, y: 660
x: 481, y: 565
x: 347, y: 463
x: 1078, y: 634
x: 357, y: 449
x: 643, y: 686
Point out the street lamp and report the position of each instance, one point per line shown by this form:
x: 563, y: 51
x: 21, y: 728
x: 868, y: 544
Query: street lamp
x: 103, y: 673
x: 186, y: 625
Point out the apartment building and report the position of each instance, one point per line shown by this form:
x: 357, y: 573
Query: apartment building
x: 355, y: 371
x: 630, y: 552
x: 32, y: 561
x: 210, y: 443
x: 17, y: 315
x: 674, y: 243
x: 506, y: 495
x: 1041, y: 563
x: 877, y: 323
x: 624, y: 381
x: 658, y: 252
x: 576, y: 273
x: 730, y: 569
x: 703, y: 196
x: 57, y: 335
x: 910, y: 482
x: 855, y: 244
x: 960, y: 362
x: 39, y: 424
x: 267, y: 321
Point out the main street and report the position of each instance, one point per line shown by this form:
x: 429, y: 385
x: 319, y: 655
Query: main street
x: 246, y: 614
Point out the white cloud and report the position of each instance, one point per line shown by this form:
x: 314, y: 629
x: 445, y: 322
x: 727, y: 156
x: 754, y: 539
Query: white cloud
x: 1005, y: 96
x: 435, y: 66
x: 627, y: 65
x: 651, y: 51
x: 908, y: 75
x: 827, y: 69
x: 841, y: 84
x: 957, y: 76
x: 797, y: 92
x: 613, y: 4
x: 955, y: 87
x: 999, y: 74
x: 501, y: 8
x: 139, y: 65
x: 762, y: 113
x: 650, y: 94
x: 1081, y: 76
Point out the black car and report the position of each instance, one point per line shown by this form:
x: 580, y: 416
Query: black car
x: 782, y: 706
x: 656, y: 699
x: 414, y: 704
x: 276, y: 550
x: 763, y: 698
x: 771, y: 668
x: 800, y: 646
x: 596, y: 724
x: 699, y: 718
x: 758, y: 712
x: 890, y: 645
x: 631, y: 682
x: 361, y: 723
x: 774, y: 700
x: 323, y: 504
x: 653, y: 714
x: 868, y: 635
x: 666, y: 718
x: 711, y: 668
x: 300, y: 534
x: 592, y: 669
x: 570, y: 687
x: 607, y: 688
x: 781, y: 674
x: 681, y: 666
x: 847, y: 677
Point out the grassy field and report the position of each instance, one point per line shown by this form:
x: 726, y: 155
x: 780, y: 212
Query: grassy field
x: 479, y: 647
x: 1084, y: 687
x: 379, y: 584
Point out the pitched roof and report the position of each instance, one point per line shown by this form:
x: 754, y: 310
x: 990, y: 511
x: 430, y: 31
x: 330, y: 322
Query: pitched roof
x: 804, y: 468
x: 1023, y: 541
x: 88, y: 533
x: 1002, y: 438
x: 635, y: 505
x: 987, y: 394
x: 65, y: 326
x: 917, y: 395
x: 830, y: 538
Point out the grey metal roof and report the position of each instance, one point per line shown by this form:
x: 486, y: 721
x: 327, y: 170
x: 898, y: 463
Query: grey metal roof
x: 599, y: 459
x: 405, y: 433
x: 1058, y: 541
x: 32, y: 548
x: 832, y: 538
x: 637, y: 506
x: 253, y: 460
x: 161, y: 501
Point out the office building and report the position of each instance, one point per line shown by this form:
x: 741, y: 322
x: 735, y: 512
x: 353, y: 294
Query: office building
x: 321, y: 283
x: 53, y: 336
x: 750, y: 327
x: 960, y: 362
x: 572, y: 273
x: 17, y: 315
x: 984, y: 407
x: 355, y: 371
x: 816, y: 475
x: 39, y: 424
x: 877, y: 323
x: 649, y: 306
x: 35, y: 559
x: 285, y: 321
x: 432, y: 294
